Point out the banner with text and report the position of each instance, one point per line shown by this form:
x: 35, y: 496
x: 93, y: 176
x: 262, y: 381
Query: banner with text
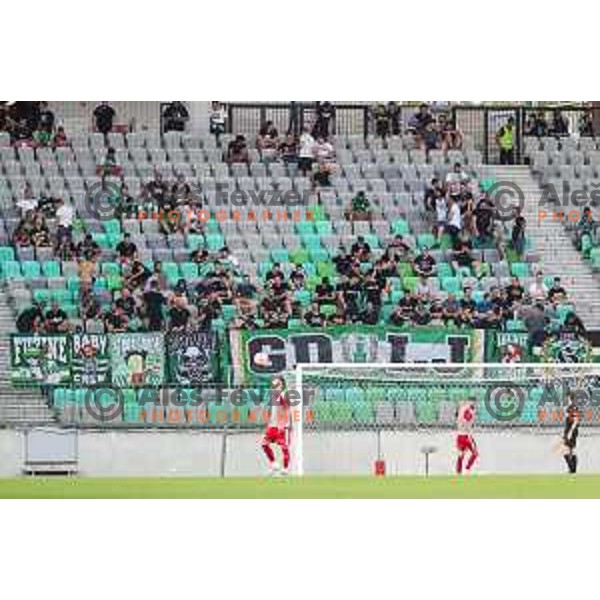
x: 40, y: 360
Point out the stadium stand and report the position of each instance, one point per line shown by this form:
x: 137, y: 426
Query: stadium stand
x: 379, y: 242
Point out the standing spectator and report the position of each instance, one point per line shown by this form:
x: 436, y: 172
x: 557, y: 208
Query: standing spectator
x: 325, y: 112
x: 394, y: 113
x: 454, y: 220
x: 505, y: 139
x: 518, y: 236
x: 104, y: 115
x: 65, y: 213
x: 217, y: 120
x: 382, y: 120
x: 46, y: 122
x: 307, y: 152
x: 154, y: 302
x: 175, y: 117
x: 288, y: 149
x: 560, y: 124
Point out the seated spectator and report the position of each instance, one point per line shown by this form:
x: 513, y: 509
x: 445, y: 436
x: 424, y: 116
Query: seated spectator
x: 157, y: 275
x: 31, y: 319
x: 298, y: 278
x: 274, y: 313
x: 399, y: 249
x: 325, y: 292
x: 538, y: 289
x: 450, y: 135
x: 126, y: 248
x: 110, y: 167
x: 360, y: 209
x: 370, y: 315
x: 137, y: 275
x: 421, y: 120
x: 267, y: 141
x: 361, y: 250
x: 322, y: 177
x: 115, y: 320
x: 536, y: 125
x: 88, y: 247
x: 467, y: 308
x: 395, y: 114
x: 451, y: 310
x: 56, y: 319
x: 60, y: 138
x: 424, y: 264
x: 462, y: 258
x: 403, y: 313
x: 313, y: 316
x: 324, y: 151
x: 430, y: 138
x: 237, y: 151
x: 515, y: 292
x: 288, y: 149
x: 455, y: 179
x: 339, y: 318
x: 557, y: 292
x: 128, y: 303
x: 175, y: 117
x: 89, y: 306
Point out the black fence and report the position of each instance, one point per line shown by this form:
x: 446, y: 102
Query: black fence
x: 479, y: 124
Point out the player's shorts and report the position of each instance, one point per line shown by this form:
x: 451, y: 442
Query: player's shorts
x: 465, y: 442
x: 274, y: 435
x: 571, y: 443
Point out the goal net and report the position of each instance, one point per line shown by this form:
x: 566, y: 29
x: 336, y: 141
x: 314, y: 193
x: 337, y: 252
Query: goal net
x: 352, y: 411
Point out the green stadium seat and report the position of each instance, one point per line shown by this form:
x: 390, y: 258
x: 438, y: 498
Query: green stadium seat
x: 311, y: 241
x: 194, y: 241
x: 11, y: 269
x: 410, y: 284
x: 364, y: 413
x: 400, y: 227
x: 189, y: 270
x: 318, y: 255
x: 305, y: 228
x: 452, y: 285
x: 31, y: 269
x: 303, y: 297
x: 280, y: 255
x: 326, y: 269
x: 324, y: 227
x: 51, y: 268
x: 425, y: 240
x: 6, y: 254
x: 520, y: 270
x: 214, y: 241
x: 299, y: 256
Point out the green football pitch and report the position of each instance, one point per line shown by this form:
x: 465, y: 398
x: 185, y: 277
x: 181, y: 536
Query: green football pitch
x: 584, y: 486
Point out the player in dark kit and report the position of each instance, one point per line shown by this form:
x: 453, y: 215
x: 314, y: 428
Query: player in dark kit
x: 570, y: 436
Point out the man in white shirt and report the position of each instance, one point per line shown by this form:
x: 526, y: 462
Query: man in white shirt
x: 65, y: 214
x: 454, y: 219
x: 307, y: 152
x: 538, y: 290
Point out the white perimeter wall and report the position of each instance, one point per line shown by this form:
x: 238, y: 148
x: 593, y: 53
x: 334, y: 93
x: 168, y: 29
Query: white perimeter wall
x: 162, y: 453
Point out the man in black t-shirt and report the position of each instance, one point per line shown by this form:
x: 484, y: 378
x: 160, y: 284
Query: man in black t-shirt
x: 126, y: 248
x: 56, y: 319
x: 154, y: 302
x: 424, y: 264
x: 104, y: 115
x: 30, y: 319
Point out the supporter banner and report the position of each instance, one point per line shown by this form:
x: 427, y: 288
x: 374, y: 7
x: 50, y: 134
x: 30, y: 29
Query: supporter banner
x: 90, y: 358
x: 568, y: 347
x: 40, y: 360
x: 503, y: 346
x: 137, y: 359
x: 347, y: 344
x: 192, y: 357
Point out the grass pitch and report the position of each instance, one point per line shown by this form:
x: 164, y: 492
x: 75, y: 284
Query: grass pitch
x: 484, y: 486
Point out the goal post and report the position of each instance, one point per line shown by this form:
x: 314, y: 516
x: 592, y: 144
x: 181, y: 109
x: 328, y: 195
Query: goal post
x: 351, y: 400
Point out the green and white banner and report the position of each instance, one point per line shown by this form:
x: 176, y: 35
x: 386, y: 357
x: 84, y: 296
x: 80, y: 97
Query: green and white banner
x: 40, y: 360
x: 348, y: 344
x: 137, y: 359
x: 90, y: 359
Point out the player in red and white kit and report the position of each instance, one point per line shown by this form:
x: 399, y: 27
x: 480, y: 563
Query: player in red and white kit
x: 464, y: 438
x: 278, y: 428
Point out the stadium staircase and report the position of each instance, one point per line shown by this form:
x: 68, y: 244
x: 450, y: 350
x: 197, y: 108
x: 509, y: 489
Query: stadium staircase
x: 18, y: 407
x: 557, y: 255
